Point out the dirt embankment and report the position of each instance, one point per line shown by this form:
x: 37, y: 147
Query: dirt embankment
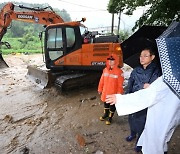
x: 39, y: 121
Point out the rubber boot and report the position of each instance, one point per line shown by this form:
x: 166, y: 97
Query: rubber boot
x: 106, y: 113
x: 109, y: 120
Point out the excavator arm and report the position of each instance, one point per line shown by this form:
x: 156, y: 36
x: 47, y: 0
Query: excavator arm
x: 32, y: 15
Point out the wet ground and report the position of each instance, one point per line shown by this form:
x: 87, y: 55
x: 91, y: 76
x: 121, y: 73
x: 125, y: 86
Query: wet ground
x: 37, y: 121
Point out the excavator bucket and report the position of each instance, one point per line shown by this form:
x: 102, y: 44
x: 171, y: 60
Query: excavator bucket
x: 3, y: 64
x: 43, y: 78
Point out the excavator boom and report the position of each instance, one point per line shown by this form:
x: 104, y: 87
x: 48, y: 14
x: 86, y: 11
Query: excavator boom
x: 33, y: 15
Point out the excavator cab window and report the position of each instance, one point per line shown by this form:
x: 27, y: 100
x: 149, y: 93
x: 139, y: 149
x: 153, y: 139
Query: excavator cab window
x: 55, y: 43
x: 70, y: 37
x: 83, y: 30
x: 55, y: 38
x: 59, y: 42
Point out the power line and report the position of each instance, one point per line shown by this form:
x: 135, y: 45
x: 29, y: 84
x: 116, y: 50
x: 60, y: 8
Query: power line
x: 84, y: 11
x: 81, y: 5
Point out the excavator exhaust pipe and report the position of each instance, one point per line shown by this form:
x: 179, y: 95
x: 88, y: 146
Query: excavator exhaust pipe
x: 3, y: 64
x: 42, y: 78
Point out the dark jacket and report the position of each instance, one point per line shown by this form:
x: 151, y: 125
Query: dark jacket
x: 139, y: 76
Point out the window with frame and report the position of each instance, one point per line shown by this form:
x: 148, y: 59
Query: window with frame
x: 55, y: 43
x: 70, y: 37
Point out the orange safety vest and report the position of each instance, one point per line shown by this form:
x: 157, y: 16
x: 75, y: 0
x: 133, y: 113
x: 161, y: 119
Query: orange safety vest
x: 111, y: 82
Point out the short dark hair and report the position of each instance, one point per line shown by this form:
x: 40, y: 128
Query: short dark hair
x: 151, y: 51
x: 110, y: 58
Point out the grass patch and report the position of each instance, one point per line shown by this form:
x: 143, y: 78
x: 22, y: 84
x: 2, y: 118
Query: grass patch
x: 20, y: 45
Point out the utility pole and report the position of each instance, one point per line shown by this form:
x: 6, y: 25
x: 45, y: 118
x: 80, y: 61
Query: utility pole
x: 112, y: 27
x: 119, y: 21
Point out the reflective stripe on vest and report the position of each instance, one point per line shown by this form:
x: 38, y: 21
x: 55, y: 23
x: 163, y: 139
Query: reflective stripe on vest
x: 111, y: 75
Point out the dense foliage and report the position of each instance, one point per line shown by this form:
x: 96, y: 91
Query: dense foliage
x: 159, y: 12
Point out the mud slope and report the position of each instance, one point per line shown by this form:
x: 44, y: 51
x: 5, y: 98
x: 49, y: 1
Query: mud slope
x: 37, y: 121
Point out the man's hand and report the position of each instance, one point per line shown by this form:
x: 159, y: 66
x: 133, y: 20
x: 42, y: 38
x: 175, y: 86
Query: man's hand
x: 99, y: 92
x: 146, y: 85
x: 111, y: 99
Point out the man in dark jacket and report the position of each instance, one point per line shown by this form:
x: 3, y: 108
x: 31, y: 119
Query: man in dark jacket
x: 141, y: 77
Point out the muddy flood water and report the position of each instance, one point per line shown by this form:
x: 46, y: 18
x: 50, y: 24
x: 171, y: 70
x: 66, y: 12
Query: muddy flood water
x: 45, y: 121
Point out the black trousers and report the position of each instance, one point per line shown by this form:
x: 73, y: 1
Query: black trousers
x: 112, y: 108
x: 137, y: 122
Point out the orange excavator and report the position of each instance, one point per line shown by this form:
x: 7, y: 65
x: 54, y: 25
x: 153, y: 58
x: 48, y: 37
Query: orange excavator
x: 73, y: 56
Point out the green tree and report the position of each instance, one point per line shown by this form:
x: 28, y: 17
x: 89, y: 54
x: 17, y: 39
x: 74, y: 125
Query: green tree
x: 160, y: 12
x: 124, y: 35
x: 116, y: 6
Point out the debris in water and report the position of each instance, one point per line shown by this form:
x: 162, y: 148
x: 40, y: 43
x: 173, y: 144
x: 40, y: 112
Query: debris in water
x: 8, y: 118
x: 80, y: 140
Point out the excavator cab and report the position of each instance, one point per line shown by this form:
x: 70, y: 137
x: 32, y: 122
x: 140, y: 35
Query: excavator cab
x: 60, y: 42
x: 66, y: 49
x: 71, y: 60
